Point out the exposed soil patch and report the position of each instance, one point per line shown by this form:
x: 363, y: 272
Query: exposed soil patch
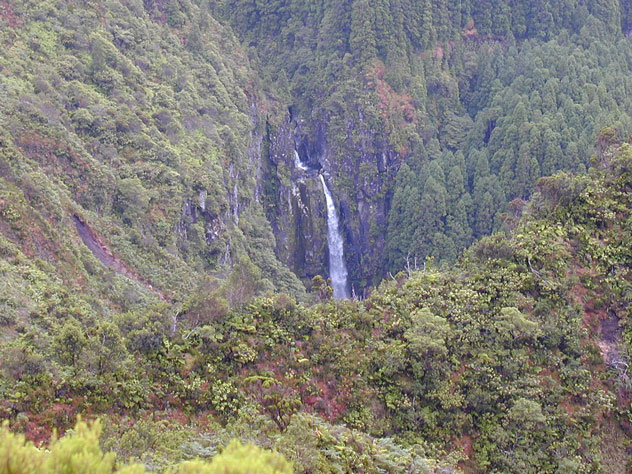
x: 610, y: 334
x: 610, y: 328
x: 615, y: 457
x: 98, y: 248
x: 102, y: 252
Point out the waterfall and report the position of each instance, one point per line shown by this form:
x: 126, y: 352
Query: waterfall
x: 337, y: 267
x: 298, y: 163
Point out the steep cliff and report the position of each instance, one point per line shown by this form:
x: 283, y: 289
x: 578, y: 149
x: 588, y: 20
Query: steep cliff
x: 131, y: 155
x: 296, y: 203
x: 478, y: 100
x: 174, y: 139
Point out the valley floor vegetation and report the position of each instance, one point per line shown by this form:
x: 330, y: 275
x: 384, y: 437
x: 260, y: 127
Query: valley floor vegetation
x: 163, y: 236
x: 514, y: 360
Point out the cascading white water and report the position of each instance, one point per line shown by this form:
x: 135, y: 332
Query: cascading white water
x: 298, y: 163
x: 337, y: 266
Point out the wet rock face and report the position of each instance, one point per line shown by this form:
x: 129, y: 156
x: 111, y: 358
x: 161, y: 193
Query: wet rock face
x: 359, y: 175
x: 364, y: 206
x: 294, y: 203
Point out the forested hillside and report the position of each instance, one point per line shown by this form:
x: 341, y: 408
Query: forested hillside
x: 116, y: 134
x: 190, y: 135
x: 174, y: 174
x: 515, y: 360
x: 457, y: 106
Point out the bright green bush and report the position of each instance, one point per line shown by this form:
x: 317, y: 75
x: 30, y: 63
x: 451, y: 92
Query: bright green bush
x: 78, y: 452
x: 238, y: 458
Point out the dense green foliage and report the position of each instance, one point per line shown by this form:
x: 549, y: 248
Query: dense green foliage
x: 438, y: 114
x: 147, y: 179
x: 430, y: 116
x: 515, y: 358
x: 79, y: 452
x: 107, y: 116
